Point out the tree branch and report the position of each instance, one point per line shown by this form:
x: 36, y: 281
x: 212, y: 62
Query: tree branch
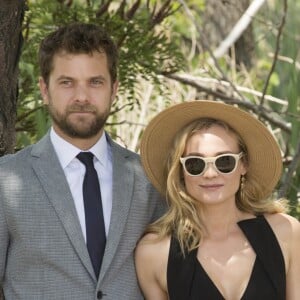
x: 213, y: 60
x: 276, y: 53
x: 239, y: 28
x: 283, y: 190
x: 243, y: 102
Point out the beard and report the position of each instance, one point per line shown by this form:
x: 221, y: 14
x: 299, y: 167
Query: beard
x: 81, y: 127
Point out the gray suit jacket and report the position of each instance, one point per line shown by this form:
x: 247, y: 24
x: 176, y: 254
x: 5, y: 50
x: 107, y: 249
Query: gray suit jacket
x: 42, y: 250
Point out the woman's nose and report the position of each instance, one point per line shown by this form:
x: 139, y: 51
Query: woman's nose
x: 210, y: 170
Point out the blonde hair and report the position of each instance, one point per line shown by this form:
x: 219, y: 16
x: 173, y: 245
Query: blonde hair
x: 184, y: 216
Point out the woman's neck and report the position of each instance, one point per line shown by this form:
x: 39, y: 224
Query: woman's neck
x: 221, y: 221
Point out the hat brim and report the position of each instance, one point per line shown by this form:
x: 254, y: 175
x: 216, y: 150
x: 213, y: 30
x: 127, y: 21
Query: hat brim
x: 265, y: 162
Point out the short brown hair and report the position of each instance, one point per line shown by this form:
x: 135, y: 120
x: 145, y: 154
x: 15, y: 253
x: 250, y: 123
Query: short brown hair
x: 77, y: 38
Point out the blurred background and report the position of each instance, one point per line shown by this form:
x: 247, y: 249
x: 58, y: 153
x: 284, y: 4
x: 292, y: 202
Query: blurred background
x: 237, y: 51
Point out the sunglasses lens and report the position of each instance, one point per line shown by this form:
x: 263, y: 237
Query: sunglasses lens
x: 194, y: 166
x: 226, y: 163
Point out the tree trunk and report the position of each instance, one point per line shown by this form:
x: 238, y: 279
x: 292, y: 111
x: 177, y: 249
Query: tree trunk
x: 11, y: 17
x: 219, y: 18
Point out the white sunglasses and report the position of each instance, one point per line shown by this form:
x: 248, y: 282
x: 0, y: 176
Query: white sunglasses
x: 224, y: 163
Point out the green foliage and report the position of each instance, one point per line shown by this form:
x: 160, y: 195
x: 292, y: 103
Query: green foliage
x: 287, y: 86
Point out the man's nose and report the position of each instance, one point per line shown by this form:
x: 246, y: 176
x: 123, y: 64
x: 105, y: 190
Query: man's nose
x: 81, y: 93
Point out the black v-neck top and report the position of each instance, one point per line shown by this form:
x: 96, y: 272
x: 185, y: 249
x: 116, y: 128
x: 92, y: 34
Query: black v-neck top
x: 187, y: 280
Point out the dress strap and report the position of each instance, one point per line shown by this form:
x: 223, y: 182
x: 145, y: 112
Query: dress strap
x: 268, y: 251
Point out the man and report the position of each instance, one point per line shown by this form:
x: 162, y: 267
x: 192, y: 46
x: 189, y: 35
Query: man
x: 50, y: 222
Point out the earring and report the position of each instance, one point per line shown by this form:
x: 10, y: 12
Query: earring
x: 242, y: 186
x: 242, y: 182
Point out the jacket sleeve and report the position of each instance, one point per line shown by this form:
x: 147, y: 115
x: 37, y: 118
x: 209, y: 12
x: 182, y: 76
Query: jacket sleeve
x: 4, y: 240
x: 160, y: 205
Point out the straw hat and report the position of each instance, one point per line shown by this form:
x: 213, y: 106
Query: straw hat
x: 265, y: 162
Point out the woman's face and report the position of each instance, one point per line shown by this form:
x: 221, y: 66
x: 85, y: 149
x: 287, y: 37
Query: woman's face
x: 213, y: 187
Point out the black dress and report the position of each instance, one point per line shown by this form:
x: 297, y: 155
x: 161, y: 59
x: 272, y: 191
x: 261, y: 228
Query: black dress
x: 187, y: 280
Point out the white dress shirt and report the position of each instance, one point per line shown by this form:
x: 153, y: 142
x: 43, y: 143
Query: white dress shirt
x: 75, y: 170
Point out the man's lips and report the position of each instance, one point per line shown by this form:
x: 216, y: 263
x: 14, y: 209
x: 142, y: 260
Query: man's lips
x: 81, y: 109
x: 81, y: 112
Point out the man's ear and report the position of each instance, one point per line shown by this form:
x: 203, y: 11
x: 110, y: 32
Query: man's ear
x: 114, y: 91
x: 44, y: 90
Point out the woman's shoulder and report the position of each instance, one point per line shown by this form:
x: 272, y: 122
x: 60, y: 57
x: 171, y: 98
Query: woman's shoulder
x: 283, y: 223
x: 153, y: 249
x: 287, y: 231
x: 152, y: 242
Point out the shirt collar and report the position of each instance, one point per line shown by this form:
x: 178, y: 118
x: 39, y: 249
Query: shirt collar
x: 66, y: 152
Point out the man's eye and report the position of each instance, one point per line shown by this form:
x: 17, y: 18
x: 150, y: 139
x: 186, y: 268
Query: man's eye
x: 96, y: 81
x: 65, y: 82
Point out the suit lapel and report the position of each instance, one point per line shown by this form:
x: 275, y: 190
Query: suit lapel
x: 122, y: 193
x: 48, y: 169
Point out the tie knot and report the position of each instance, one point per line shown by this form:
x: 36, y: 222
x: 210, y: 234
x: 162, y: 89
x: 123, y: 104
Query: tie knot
x: 86, y: 158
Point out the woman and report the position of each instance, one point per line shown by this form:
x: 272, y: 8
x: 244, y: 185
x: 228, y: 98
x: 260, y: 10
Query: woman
x: 222, y: 237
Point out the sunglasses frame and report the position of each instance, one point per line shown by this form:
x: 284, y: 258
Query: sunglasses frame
x: 212, y: 160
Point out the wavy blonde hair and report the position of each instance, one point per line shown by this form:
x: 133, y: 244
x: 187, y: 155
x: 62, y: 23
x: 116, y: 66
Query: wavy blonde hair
x: 184, y: 217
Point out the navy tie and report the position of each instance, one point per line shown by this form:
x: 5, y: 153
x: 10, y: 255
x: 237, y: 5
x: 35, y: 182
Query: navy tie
x: 95, y: 229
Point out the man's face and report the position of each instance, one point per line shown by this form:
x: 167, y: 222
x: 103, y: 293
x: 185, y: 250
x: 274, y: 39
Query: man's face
x: 79, y: 94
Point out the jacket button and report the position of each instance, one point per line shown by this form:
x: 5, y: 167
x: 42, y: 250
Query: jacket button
x: 99, y: 295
